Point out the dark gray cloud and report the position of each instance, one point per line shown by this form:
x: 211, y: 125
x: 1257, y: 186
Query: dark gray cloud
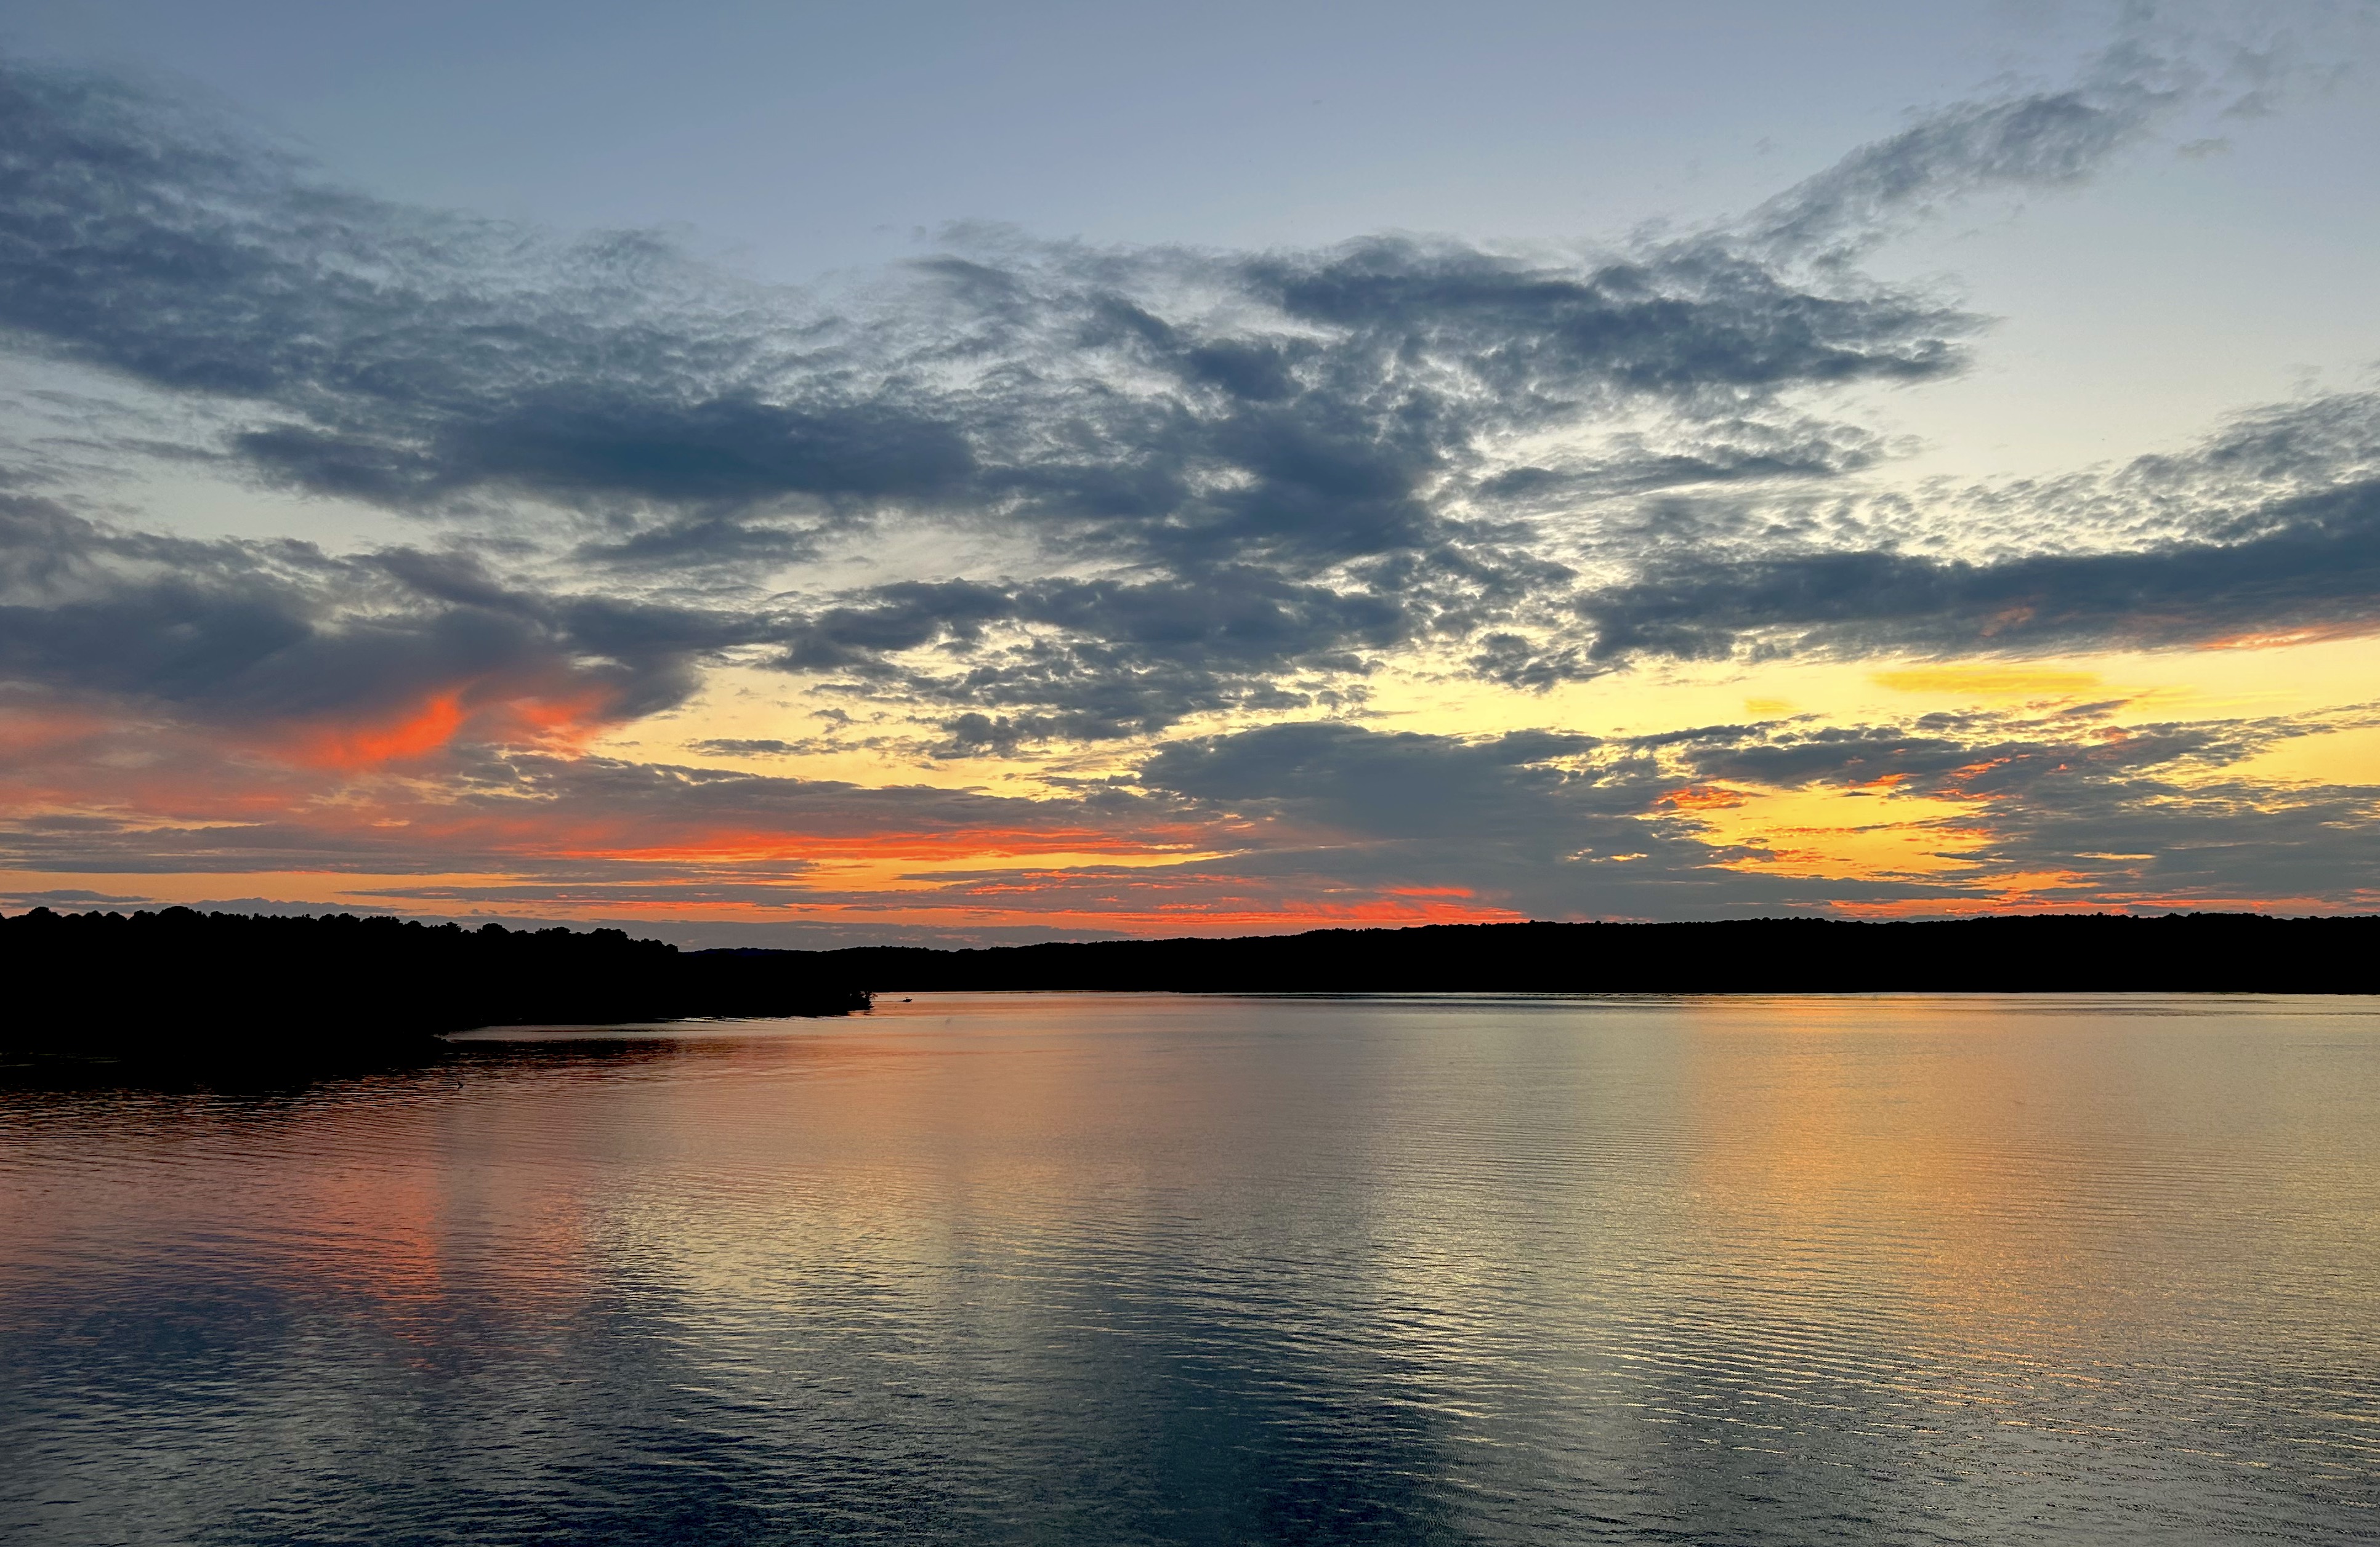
x: 1537, y: 823
x: 2309, y: 563
x: 1103, y: 658
x: 1269, y: 453
x: 744, y: 746
x: 1389, y: 785
x: 1253, y: 475
x: 2165, y: 60
x: 73, y: 900
x: 248, y: 632
x: 1694, y: 454
x: 2037, y: 139
x: 1181, y: 402
x: 2268, y: 527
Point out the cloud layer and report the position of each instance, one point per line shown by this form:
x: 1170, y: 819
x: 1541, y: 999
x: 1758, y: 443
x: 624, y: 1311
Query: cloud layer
x: 1176, y: 506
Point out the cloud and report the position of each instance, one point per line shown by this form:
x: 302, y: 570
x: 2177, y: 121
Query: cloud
x: 2166, y: 63
x: 1275, y: 827
x: 1148, y: 484
x: 2317, y: 567
x: 1532, y: 824
x: 1247, y: 464
x: 2270, y: 530
x: 1240, y: 475
x: 71, y: 900
x: 274, y: 636
x: 142, y: 799
x: 1382, y: 784
x: 735, y: 746
x: 2156, y: 814
x: 2060, y: 809
x: 1104, y: 658
x: 1189, y: 402
x: 2037, y: 139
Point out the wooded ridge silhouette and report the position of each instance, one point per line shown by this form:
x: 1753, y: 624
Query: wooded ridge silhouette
x: 2021, y: 953
x: 270, y: 986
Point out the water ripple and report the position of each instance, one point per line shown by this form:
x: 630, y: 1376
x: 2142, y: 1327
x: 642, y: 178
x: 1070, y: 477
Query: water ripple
x: 1134, y: 1268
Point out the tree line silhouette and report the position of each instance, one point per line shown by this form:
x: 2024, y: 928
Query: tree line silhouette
x: 267, y: 986
x: 2022, y: 953
x: 178, y: 980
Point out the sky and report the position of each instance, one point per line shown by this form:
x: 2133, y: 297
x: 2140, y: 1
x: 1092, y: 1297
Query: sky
x: 835, y: 474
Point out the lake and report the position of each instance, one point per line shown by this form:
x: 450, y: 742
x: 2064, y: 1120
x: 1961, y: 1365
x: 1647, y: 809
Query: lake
x: 1087, y: 1268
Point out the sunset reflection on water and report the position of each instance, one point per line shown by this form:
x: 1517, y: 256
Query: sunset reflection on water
x: 1155, y: 1268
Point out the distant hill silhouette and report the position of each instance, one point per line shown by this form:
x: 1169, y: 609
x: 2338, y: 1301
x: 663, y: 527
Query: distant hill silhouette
x: 2029, y: 953
x: 267, y: 988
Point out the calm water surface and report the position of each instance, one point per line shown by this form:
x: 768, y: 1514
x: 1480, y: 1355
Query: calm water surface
x: 1111, y: 1269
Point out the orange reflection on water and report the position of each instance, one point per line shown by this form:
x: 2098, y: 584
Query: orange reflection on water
x: 1870, y: 1140
x: 377, y: 1205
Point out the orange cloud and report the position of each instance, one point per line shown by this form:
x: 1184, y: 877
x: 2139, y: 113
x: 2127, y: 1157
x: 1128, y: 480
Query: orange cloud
x: 744, y: 845
x: 27, y: 730
x: 414, y: 734
x: 564, y: 723
x: 1708, y: 797
x: 513, y: 716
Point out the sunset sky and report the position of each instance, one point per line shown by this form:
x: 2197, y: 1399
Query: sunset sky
x: 829, y: 473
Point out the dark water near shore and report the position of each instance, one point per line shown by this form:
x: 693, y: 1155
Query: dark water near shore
x: 992, y: 1269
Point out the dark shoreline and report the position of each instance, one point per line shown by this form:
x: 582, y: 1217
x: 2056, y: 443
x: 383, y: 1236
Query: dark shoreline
x: 180, y: 987
x: 2024, y: 953
x: 176, y: 992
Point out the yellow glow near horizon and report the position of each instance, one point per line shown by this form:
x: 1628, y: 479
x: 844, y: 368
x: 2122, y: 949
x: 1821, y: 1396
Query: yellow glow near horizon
x: 1833, y: 834
x: 1813, y: 833
x: 1988, y: 681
